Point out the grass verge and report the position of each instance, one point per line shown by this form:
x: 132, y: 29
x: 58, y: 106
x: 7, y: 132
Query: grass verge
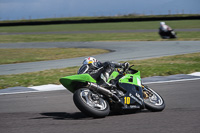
x: 8, y: 56
x: 150, y: 36
x: 59, y: 37
x: 163, y: 66
x: 181, y: 24
x: 169, y: 65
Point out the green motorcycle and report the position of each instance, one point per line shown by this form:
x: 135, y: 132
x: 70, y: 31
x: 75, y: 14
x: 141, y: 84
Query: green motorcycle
x: 128, y: 94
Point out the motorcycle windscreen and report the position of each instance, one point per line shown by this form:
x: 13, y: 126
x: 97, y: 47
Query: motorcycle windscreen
x: 70, y: 82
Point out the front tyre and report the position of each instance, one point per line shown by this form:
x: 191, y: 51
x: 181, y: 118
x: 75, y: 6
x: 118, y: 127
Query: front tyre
x: 152, y: 100
x: 173, y: 34
x: 90, y: 103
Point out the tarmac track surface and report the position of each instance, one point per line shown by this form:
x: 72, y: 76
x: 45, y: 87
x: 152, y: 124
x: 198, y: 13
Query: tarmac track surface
x: 120, y: 51
x: 54, y: 112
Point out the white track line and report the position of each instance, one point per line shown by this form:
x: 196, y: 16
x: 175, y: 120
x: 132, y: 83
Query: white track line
x: 195, y: 74
x: 24, y: 92
x: 180, y: 80
x: 49, y: 87
x: 42, y: 88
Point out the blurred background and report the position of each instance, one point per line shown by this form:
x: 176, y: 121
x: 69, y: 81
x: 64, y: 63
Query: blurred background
x: 37, y: 9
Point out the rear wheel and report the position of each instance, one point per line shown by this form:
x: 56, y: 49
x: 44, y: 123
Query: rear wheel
x: 90, y: 103
x: 152, y: 100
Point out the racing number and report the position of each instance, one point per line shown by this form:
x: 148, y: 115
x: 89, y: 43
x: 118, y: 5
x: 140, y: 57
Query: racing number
x: 127, y: 100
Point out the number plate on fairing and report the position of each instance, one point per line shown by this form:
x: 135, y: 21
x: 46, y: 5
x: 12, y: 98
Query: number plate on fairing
x: 133, y: 97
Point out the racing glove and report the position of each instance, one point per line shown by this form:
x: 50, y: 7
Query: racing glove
x: 125, y: 66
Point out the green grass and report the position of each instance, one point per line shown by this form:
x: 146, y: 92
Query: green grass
x: 181, y: 24
x: 8, y: 56
x: 150, y: 36
x: 152, y: 67
x: 170, y: 65
x: 163, y: 66
x: 36, y: 78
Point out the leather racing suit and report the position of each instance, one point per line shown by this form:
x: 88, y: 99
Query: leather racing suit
x: 102, y: 71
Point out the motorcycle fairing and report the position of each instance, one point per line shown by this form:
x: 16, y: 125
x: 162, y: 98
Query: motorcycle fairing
x: 134, y: 94
x: 70, y: 82
x: 113, y: 76
x: 133, y: 79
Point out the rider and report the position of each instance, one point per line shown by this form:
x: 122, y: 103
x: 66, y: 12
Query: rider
x: 164, y: 30
x: 164, y: 27
x: 100, y: 71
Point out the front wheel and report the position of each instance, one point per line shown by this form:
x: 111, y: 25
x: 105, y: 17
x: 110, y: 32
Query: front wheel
x: 173, y: 34
x: 152, y: 100
x: 90, y: 103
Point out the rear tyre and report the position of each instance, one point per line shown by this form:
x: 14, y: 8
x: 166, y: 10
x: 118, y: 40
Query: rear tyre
x: 90, y: 103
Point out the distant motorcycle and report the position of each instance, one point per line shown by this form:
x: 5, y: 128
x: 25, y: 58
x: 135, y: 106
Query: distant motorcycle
x: 167, y: 34
x: 129, y: 93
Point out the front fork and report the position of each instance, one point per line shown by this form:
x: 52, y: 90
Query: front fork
x: 146, y: 92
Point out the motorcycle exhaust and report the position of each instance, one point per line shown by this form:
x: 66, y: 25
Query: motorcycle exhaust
x: 102, y: 90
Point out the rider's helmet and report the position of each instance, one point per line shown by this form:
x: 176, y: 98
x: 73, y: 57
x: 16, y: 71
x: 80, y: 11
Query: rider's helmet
x: 162, y: 23
x: 89, y: 60
x: 164, y: 27
x: 86, y: 62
